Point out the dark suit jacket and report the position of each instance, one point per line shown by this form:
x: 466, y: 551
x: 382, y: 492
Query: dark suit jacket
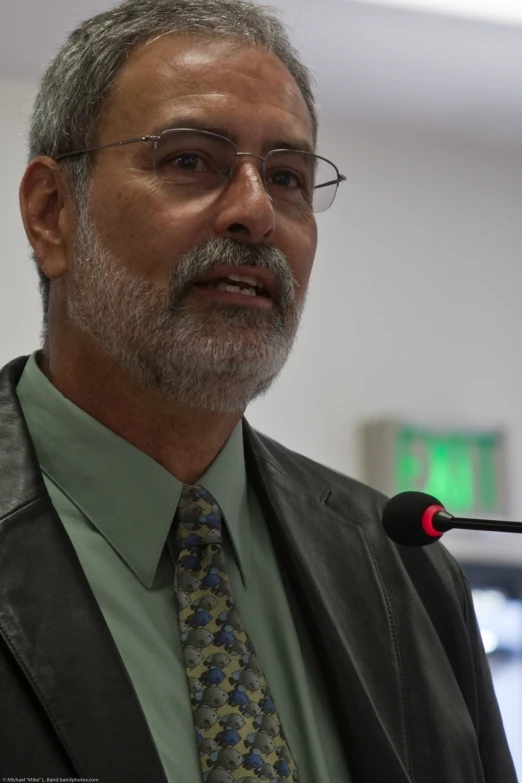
x: 394, y: 629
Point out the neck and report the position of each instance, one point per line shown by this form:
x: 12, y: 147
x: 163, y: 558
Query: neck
x: 182, y: 440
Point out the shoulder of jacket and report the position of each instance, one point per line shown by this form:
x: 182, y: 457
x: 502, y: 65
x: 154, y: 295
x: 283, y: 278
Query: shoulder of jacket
x: 356, y: 501
x: 345, y: 494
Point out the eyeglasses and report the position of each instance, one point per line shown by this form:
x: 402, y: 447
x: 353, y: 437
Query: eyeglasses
x: 200, y: 161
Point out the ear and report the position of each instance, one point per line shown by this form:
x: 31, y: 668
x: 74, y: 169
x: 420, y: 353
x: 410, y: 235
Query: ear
x: 49, y: 214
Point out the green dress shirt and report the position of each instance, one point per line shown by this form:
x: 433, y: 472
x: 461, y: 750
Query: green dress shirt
x: 117, y: 505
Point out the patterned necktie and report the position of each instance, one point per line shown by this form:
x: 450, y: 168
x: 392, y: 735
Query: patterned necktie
x: 238, y: 730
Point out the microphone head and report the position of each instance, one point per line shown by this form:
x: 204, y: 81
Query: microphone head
x: 402, y: 518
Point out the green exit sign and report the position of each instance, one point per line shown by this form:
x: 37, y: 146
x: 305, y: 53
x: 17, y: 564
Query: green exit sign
x: 463, y: 468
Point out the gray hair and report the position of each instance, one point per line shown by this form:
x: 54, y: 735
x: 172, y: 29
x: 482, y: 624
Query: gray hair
x: 78, y: 82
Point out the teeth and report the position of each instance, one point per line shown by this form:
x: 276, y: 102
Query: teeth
x: 235, y: 289
x: 253, y: 281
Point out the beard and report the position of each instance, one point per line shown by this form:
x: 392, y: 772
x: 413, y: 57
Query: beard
x: 205, y: 354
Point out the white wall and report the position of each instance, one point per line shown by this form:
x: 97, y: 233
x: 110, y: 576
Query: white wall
x: 414, y: 306
x: 19, y: 295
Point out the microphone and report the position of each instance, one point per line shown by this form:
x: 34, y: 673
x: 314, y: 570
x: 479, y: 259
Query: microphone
x: 417, y: 519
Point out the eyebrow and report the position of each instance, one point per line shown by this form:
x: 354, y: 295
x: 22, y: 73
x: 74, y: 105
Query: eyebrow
x: 302, y: 145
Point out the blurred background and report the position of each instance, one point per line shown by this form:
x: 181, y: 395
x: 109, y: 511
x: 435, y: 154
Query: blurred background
x: 414, y: 313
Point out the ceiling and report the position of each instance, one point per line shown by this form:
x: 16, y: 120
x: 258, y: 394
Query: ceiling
x: 375, y: 64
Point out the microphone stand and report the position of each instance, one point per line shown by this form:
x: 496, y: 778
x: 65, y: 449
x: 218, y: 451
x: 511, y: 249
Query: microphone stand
x: 443, y: 521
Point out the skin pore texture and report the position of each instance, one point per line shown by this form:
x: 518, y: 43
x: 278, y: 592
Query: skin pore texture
x: 131, y: 341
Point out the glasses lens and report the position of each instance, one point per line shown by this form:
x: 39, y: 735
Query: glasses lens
x: 301, y: 180
x: 194, y: 160
x: 200, y: 161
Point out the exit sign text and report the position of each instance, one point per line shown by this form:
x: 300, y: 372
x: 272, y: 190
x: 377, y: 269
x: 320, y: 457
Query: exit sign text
x: 463, y: 468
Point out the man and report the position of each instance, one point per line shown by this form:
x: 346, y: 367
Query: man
x: 182, y: 598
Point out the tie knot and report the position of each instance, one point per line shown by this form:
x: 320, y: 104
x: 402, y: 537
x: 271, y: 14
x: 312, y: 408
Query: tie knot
x: 199, y: 518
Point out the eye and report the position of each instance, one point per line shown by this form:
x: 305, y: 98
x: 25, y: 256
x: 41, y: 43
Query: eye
x: 285, y: 179
x: 188, y: 161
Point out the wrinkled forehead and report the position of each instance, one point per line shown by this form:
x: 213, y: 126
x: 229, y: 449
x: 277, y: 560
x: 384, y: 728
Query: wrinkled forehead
x: 222, y: 78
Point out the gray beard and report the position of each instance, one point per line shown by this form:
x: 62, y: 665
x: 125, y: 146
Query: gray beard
x: 203, y: 354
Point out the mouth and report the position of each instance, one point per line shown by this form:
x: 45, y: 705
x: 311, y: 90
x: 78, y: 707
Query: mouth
x: 242, y: 285
x: 234, y: 294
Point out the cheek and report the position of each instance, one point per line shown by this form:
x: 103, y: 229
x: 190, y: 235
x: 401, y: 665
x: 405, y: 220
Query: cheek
x: 143, y: 228
x: 301, y: 253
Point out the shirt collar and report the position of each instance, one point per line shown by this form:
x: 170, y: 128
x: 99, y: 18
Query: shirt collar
x: 125, y: 494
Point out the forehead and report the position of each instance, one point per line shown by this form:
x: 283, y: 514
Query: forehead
x: 206, y: 78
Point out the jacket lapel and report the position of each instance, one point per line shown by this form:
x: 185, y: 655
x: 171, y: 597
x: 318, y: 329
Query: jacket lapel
x: 51, y: 622
x: 347, y: 614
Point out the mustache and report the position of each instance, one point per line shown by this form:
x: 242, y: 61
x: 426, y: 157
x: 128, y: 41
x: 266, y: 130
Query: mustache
x: 208, y: 256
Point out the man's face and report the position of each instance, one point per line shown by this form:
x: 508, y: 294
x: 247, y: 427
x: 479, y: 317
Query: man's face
x: 142, y: 246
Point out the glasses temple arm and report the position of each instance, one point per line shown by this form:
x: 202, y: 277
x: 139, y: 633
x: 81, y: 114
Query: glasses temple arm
x: 105, y: 146
x: 342, y: 178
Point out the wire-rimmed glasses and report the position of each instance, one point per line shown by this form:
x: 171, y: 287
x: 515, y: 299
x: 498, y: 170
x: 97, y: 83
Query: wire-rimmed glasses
x: 199, y: 161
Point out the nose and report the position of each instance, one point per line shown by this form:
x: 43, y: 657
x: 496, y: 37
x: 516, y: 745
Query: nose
x: 245, y: 210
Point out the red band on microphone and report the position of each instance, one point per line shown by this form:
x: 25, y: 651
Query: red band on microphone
x: 427, y: 521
